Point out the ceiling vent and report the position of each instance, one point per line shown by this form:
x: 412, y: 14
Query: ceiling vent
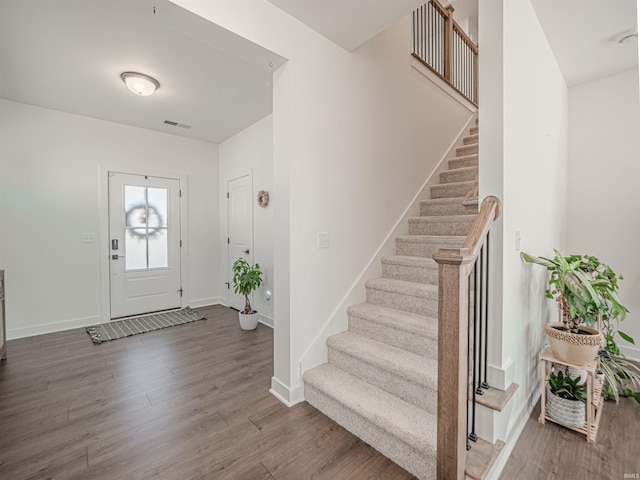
x: 177, y: 124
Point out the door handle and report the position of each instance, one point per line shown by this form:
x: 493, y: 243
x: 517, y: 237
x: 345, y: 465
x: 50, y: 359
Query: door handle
x: 116, y: 257
x: 246, y: 251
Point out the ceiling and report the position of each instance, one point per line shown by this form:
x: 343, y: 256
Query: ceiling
x: 583, y: 35
x: 68, y: 55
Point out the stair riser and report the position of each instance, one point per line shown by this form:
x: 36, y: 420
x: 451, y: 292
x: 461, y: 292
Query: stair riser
x: 414, y: 393
x: 450, y: 190
x: 420, y: 249
x: 400, y: 301
x: 474, y: 130
x: 470, y: 140
x: 410, y: 274
x: 425, y: 346
x: 439, y: 228
x: 430, y: 209
x: 467, y: 150
x: 451, y: 176
x: 417, y: 463
x: 471, y: 161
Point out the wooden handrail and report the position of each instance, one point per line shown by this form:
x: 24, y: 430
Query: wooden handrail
x: 454, y: 267
x: 488, y: 213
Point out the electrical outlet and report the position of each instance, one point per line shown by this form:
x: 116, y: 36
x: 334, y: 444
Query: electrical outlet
x: 518, y: 241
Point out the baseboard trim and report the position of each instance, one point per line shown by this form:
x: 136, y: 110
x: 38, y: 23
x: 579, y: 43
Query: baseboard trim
x: 288, y: 396
x: 632, y: 353
x: 44, y: 328
x: 266, y: 320
x: 205, y: 302
x: 513, y: 436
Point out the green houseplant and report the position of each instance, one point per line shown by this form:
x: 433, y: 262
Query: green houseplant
x: 246, y: 279
x: 586, y: 290
x: 566, y: 402
x: 572, y: 282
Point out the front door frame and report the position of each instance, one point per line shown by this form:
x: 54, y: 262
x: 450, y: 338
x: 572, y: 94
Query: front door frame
x: 105, y: 252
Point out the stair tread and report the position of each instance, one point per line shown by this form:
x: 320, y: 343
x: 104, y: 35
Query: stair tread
x: 399, y: 319
x: 444, y: 218
x: 453, y: 184
x: 443, y: 201
x: 437, y: 239
x: 410, y: 261
x: 400, y: 362
x: 460, y: 169
x: 411, y: 424
x: 403, y: 287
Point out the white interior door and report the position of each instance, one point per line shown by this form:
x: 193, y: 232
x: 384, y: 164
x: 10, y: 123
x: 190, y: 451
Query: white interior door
x: 240, y: 217
x: 144, y: 236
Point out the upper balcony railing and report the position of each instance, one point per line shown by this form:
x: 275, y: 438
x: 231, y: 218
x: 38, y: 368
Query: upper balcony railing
x: 441, y: 45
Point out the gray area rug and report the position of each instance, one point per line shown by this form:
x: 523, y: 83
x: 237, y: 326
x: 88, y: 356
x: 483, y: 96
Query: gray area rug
x: 148, y: 323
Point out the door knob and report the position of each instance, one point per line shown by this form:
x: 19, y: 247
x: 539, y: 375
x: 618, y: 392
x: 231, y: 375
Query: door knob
x: 246, y: 251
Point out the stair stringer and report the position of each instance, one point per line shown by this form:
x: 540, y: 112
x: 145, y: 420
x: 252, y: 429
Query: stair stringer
x: 317, y: 352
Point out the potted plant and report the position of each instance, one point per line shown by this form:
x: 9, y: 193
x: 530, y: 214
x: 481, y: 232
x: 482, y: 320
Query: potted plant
x: 566, y: 400
x: 246, y: 279
x: 585, y: 290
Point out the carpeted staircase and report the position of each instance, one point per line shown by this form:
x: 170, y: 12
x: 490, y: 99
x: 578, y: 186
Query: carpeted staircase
x: 381, y: 379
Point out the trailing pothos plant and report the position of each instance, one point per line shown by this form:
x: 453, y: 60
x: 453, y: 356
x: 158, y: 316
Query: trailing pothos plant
x: 587, y: 289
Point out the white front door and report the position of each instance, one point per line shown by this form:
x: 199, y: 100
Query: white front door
x: 240, y: 239
x: 144, y: 241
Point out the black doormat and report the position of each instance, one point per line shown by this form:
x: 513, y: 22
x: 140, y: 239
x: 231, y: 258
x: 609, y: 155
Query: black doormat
x: 148, y: 323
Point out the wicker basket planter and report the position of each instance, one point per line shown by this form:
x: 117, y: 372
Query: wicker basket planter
x: 570, y: 413
x: 575, y: 348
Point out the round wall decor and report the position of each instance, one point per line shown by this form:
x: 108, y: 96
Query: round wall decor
x: 263, y: 198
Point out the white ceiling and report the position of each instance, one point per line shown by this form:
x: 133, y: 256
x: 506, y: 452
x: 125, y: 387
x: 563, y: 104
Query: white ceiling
x: 68, y: 55
x: 348, y: 23
x: 583, y: 36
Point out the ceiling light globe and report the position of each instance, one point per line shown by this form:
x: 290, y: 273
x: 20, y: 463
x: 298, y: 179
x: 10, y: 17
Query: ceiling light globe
x: 140, y: 84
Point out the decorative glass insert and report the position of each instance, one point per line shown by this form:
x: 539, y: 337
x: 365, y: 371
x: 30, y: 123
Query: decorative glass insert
x: 146, y: 227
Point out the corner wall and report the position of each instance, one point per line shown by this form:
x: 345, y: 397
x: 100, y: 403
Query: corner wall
x: 604, y: 184
x: 523, y: 161
x: 50, y: 195
x: 355, y: 137
x: 251, y: 150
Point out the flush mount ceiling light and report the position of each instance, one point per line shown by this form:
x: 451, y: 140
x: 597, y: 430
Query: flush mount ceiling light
x: 139, y: 83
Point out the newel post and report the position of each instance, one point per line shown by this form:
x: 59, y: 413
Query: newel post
x: 454, y: 265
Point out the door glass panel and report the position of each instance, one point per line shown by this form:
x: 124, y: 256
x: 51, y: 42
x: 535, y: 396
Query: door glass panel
x: 136, y: 251
x: 157, y: 205
x: 158, y: 249
x: 146, y: 212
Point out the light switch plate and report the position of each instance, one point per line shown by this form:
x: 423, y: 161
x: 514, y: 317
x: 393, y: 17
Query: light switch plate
x: 88, y: 238
x: 323, y: 240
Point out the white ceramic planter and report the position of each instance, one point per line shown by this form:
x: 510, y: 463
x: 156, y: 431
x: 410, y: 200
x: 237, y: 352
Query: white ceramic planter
x: 570, y: 413
x: 248, y: 322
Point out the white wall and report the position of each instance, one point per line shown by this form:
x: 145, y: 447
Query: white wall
x: 50, y: 195
x: 251, y: 150
x: 523, y: 160
x: 355, y: 136
x: 604, y: 183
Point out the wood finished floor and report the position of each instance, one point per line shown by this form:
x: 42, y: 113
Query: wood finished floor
x: 188, y: 402
x: 549, y: 451
x: 192, y: 402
